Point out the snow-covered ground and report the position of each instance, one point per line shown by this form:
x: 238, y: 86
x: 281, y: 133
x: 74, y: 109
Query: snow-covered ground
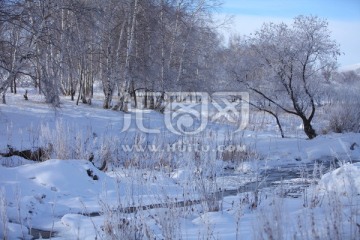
x: 276, y: 188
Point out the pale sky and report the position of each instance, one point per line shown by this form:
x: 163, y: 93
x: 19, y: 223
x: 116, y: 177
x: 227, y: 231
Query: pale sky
x: 343, y: 17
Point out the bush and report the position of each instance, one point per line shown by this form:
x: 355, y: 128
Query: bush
x: 345, y: 119
x: 345, y: 116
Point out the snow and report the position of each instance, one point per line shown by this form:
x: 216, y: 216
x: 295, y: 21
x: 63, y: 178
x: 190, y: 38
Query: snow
x: 165, y: 197
x: 59, y: 187
x: 344, y: 180
x: 353, y: 67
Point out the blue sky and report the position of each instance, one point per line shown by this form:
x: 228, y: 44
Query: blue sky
x: 343, y: 17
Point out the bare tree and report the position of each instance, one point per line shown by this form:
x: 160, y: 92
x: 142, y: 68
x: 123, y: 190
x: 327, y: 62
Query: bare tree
x: 283, y: 66
x: 65, y: 46
x: 130, y: 42
x: 12, y: 42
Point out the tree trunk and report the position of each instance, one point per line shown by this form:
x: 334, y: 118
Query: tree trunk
x: 130, y: 46
x: 72, y: 88
x: 308, y: 129
x: 108, y: 98
x: 278, y: 123
x: 12, y: 87
x: 80, y: 89
x: 15, y: 90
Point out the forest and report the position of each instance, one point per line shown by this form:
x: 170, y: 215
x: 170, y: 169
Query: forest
x: 65, y: 48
